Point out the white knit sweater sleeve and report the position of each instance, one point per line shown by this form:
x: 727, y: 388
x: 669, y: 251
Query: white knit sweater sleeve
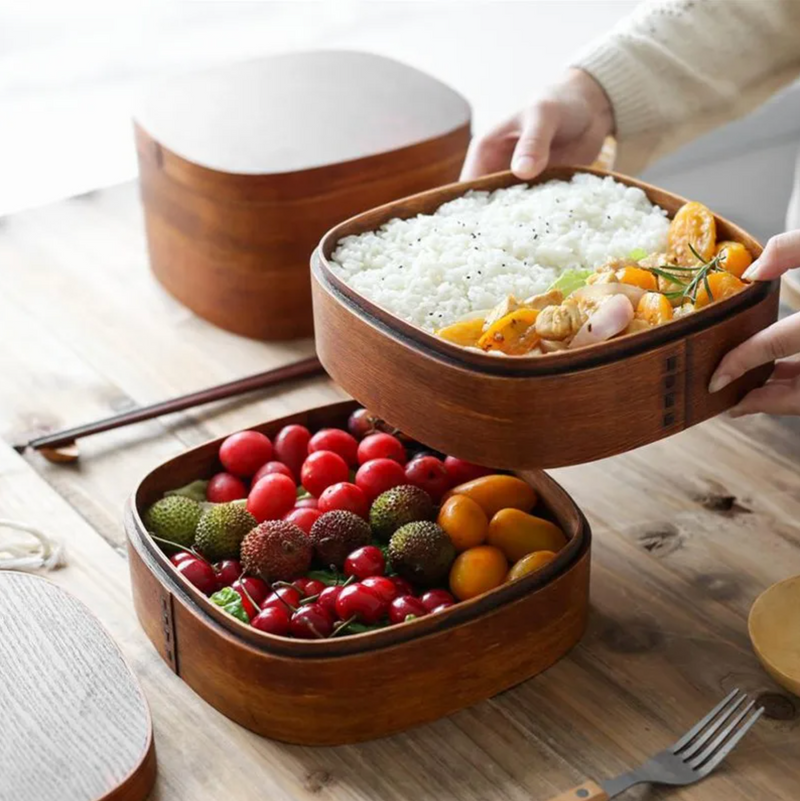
x: 673, y: 69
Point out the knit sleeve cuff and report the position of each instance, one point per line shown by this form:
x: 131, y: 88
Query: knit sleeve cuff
x: 629, y: 86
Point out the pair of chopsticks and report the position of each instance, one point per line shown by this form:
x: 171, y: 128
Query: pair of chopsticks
x: 53, y: 445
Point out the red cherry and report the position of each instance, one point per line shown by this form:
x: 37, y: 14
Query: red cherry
x: 327, y: 599
x: 336, y: 440
x: 365, y: 561
x: 303, y: 518
x: 272, y: 467
x: 181, y: 556
x: 225, y: 487
x: 291, y: 447
x: 461, y: 471
x: 284, y: 597
x: 311, y: 622
x: 360, y: 423
x: 381, y: 446
x: 405, y: 605
x: 272, y: 620
x: 382, y: 586
x: 347, y: 496
x: 429, y: 474
x: 403, y: 586
x: 321, y: 469
x: 256, y: 588
x: 308, y: 586
x: 243, y: 453
x: 440, y: 608
x: 228, y: 571
x: 200, y: 573
x: 360, y: 602
x: 433, y: 598
x: 379, y: 475
x: 272, y: 497
x: 306, y: 503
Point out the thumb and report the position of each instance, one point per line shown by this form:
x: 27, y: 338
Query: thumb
x: 533, y: 147
x: 780, y: 340
x: 782, y: 253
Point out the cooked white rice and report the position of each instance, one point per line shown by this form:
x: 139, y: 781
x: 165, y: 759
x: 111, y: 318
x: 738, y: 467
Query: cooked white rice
x: 435, y: 269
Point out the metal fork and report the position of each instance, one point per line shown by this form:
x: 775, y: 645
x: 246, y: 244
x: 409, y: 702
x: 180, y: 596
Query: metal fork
x: 690, y: 759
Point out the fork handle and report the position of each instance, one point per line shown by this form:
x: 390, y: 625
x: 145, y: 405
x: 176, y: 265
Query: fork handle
x: 588, y: 791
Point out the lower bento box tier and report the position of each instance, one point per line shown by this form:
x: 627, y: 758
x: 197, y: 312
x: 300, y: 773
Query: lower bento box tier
x: 302, y: 691
x: 556, y: 410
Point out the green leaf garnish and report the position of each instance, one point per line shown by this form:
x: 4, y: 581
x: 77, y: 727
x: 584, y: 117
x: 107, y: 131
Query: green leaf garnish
x: 637, y: 254
x: 570, y: 280
x: 231, y: 602
x: 196, y: 490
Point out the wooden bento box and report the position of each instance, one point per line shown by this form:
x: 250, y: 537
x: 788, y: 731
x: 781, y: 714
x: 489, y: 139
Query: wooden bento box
x: 548, y: 411
x: 243, y: 167
x: 365, y: 685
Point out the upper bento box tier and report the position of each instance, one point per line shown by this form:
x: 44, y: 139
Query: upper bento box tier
x: 563, y: 408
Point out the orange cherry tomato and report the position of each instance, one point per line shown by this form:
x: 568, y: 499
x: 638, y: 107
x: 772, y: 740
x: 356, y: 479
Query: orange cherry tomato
x: 722, y: 285
x: 476, y: 571
x: 693, y: 225
x: 530, y: 563
x: 496, y: 492
x: 517, y: 534
x: 735, y: 258
x: 655, y: 308
x: 638, y: 276
x: 464, y: 522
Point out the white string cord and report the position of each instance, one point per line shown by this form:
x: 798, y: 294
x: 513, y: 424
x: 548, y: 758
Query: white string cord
x: 23, y: 554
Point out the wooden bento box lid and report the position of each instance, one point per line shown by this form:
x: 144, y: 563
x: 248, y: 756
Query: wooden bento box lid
x: 298, y: 111
x: 243, y: 167
x: 524, y: 412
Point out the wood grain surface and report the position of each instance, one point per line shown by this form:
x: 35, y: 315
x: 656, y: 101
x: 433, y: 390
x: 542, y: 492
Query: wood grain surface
x: 75, y: 724
x: 244, y: 167
x: 688, y: 532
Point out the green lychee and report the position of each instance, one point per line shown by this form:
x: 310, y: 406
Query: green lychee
x: 174, y: 518
x: 221, y: 530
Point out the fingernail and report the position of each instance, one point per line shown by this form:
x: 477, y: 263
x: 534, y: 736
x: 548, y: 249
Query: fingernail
x: 751, y: 272
x: 719, y: 382
x: 736, y: 412
x: 522, y: 165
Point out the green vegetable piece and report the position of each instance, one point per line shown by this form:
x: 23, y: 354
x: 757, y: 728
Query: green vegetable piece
x: 327, y: 577
x: 637, y: 254
x: 231, y: 602
x: 570, y: 280
x: 196, y: 491
x: 302, y: 492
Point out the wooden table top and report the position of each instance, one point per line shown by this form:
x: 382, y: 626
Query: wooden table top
x: 688, y: 532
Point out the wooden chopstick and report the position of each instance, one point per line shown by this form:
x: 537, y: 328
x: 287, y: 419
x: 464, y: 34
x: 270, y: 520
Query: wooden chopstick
x: 270, y: 378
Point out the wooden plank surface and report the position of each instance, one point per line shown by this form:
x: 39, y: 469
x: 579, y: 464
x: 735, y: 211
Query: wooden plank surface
x: 688, y: 531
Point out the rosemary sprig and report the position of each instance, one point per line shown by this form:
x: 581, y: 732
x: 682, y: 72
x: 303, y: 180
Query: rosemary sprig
x: 699, y: 277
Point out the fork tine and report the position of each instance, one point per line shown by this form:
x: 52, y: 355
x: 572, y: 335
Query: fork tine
x: 719, y: 739
x: 730, y: 745
x: 695, y: 730
x: 716, y: 725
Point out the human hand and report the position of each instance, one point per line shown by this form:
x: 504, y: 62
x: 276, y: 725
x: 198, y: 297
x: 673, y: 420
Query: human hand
x: 567, y: 125
x: 781, y: 394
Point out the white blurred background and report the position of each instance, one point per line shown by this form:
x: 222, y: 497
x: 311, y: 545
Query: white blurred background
x: 70, y: 75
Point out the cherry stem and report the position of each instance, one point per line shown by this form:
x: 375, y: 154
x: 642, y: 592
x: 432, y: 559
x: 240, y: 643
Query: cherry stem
x: 309, y: 599
x: 247, y: 594
x: 342, y: 626
x: 180, y: 547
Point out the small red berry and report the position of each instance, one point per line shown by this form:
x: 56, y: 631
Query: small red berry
x: 365, y: 561
x: 243, y: 453
x: 285, y: 597
x: 321, y: 469
x: 304, y: 518
x: 228, y: 571
x: 272, y: 467
x: 379, y: 475
x: 381, y: 446
x: 311, y: 622
x: 225, y: 487
x: 360, y: 602
x: 181, y: 556
x: 272, y: 620
x: 461, y: 471
x: 272, y: 497
x: 384, y: 587
x: 360, y: 423
x: 327, y: 599
x: 403, y: 586
x: 405, y: 605
x: 336, y: 440
x: 291, y: 447
x: 346, y: 496
x: 434, y: 598
x: 429, y: 474
x: 199, y: 573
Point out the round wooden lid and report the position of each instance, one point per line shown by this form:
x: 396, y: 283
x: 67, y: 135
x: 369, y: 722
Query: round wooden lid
x: 75, y: 724
x: 298, y: 111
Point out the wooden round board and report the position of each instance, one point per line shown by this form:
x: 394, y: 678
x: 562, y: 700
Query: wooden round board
x: 75, y: 724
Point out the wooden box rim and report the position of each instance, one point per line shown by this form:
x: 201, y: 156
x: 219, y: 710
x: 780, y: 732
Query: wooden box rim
x: 578, y: 543
x: 550, y: 364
